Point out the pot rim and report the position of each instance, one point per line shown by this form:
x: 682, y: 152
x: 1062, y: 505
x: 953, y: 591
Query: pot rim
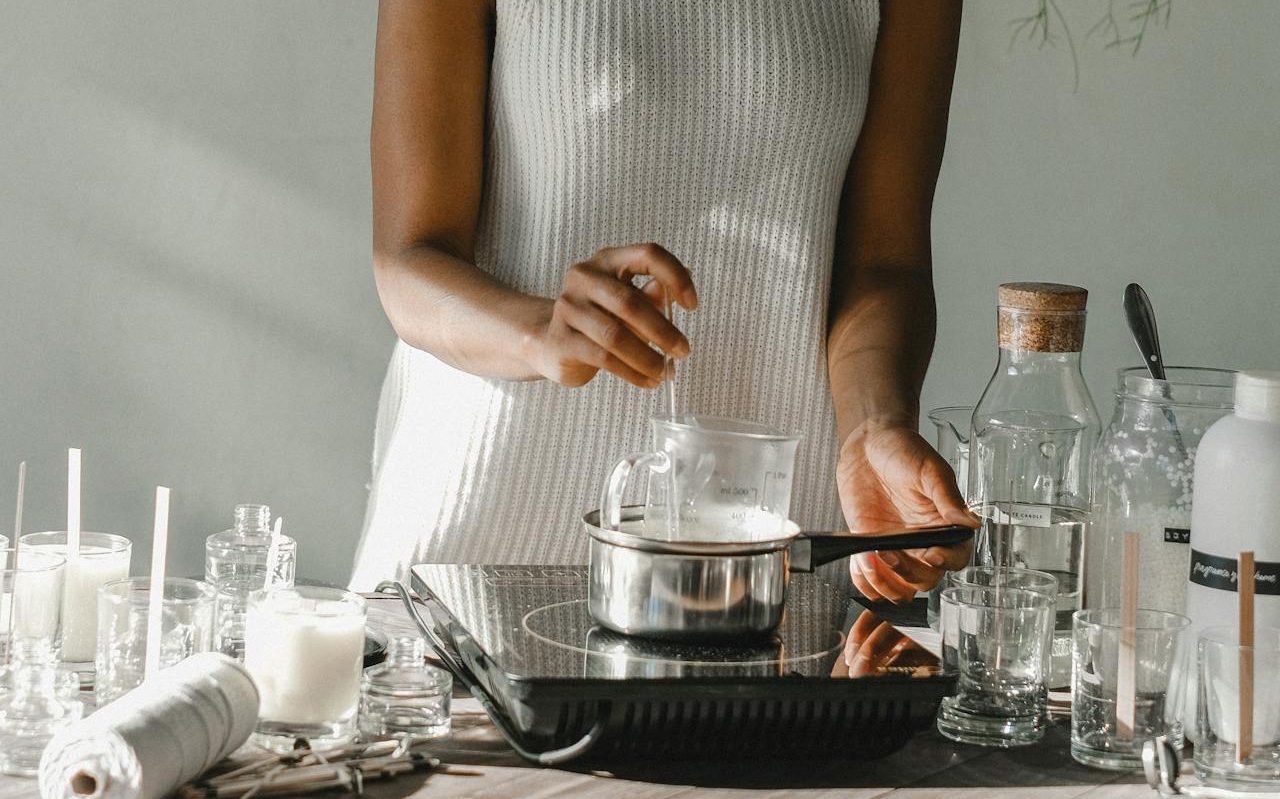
x: 591, y: 522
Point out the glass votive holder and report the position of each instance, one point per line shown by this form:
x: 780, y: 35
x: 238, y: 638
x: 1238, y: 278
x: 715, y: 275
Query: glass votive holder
x: 995, y: 639
x: 31, y: 586
x: 1217, y: 733
x: 186, y: 628
x: 1099, y: 735
x: 404, y: 696
x: 304, y: 648
x: 990, y: 576
x: 103, y: 557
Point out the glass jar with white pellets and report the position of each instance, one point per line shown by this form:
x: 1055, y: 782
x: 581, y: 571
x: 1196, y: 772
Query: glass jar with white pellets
x: 1144, y: 468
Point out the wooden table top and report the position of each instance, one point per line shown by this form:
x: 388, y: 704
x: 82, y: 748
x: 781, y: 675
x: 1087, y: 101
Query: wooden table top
x: 929, y: 766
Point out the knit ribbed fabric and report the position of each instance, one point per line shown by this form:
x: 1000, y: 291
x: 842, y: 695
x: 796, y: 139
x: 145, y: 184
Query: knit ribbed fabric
x: 720, y: 129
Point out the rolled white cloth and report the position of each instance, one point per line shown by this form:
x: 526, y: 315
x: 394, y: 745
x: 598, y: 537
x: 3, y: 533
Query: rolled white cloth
x: 163, y: 733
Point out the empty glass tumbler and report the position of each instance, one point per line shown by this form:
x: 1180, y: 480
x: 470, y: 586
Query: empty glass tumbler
x: 1145, y: 467
x: 1105, y: 731
x: 709, y: 479
x: 985, y: 576
x: 1223, y: 757
x: 186, y: 628
x: 994, y: 638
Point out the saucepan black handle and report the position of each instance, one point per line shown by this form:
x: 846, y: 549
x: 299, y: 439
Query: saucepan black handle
x: 810, y: 550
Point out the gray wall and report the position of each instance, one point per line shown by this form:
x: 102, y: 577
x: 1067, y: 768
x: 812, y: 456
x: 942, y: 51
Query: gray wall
x: 184, y: 237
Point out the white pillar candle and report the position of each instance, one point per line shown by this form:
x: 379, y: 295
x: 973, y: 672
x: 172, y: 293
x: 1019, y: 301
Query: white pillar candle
x: 103, y: 558
x: 305, y: 655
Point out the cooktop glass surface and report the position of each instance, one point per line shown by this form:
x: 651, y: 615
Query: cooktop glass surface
x: 532, y: 622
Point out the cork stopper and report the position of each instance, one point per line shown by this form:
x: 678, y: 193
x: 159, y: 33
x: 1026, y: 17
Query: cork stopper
x: 1041, y: 317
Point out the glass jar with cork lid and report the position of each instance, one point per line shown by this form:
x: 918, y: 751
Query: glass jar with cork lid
x: 1033, y: 435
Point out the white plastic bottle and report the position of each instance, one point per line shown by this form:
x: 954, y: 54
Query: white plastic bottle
x: 1236, y: 507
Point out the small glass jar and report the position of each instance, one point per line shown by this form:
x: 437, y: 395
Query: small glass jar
x: 1144, y: 467
x: 240, y: 553
x: 405, y: 696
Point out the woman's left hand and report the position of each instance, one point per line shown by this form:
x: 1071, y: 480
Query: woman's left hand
x: 889, y: 478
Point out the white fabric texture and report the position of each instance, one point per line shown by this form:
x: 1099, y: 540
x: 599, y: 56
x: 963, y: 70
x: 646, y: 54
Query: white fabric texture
x: 720, y: 129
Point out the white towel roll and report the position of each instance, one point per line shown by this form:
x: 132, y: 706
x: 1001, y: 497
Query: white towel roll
x: 163, y: 733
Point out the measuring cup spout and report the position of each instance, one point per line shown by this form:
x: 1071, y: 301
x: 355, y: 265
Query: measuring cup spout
x: 807, y: 551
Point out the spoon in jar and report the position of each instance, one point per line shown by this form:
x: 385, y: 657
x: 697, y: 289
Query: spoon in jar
x: 1142, y: 324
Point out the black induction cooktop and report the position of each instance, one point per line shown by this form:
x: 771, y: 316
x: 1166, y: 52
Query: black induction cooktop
x: 836, y: 679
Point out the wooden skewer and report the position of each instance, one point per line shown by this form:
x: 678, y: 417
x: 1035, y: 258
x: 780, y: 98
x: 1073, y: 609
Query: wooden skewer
x: 273, y: 554
x: 1245, y: 585
x: 155, y: 598
x: 1126, y: 670
x: 73, y: 510
x: 17, y: 537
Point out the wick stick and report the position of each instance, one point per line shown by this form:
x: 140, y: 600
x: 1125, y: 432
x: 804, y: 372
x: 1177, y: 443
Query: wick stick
x: 17, y: 509
x: 273, y: 553
x: 73, y: 508
x: 1245, y: 585
x: 1126, y: 671
x: 155, y: 597
x: 17, y: 536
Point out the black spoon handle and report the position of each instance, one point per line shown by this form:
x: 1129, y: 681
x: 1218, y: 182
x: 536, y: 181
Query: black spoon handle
x: 810, y: 550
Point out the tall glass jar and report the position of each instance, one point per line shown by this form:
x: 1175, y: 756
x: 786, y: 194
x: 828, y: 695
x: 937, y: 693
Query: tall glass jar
x: 1145, y: 467
x: 1031, y: 447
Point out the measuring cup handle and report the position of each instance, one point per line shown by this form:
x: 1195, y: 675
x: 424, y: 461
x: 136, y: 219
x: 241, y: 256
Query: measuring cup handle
x: 616, y: 485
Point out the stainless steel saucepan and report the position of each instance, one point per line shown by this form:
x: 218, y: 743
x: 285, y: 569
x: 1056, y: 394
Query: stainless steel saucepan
x: 714, y: 589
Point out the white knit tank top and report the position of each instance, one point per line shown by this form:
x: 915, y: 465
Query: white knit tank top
x: 720, y: 129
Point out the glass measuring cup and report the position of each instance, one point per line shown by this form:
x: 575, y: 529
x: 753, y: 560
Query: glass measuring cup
x: 710, y: 479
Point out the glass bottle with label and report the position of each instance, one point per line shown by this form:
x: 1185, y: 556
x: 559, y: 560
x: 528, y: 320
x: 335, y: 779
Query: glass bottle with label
x: 1033, y: 435
x: 1144, y: 481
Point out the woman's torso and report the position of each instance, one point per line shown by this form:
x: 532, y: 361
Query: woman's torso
x: 720, y: 130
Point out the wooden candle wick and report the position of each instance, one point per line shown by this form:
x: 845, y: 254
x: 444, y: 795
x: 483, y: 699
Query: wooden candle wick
x: 17, y: 536
x: 1245, y: 586
x: 1126, y: 672
x: 155, y: 597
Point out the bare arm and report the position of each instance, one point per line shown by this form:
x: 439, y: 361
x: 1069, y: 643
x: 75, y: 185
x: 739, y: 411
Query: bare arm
x: 883, y: 313
x: 431, y: 76
x: 882, y: 308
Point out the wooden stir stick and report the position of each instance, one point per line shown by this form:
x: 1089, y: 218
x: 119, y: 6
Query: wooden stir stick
x: 1126, y: 670
x: 155, y: 597
x: 17, y: 536
x: 1245, y: 585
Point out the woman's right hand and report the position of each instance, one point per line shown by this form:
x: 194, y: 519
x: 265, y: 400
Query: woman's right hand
x: 601, y: 320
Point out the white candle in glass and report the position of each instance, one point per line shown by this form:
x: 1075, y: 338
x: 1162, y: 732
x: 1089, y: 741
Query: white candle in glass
x: 103, y: 557
x: 304, y: 648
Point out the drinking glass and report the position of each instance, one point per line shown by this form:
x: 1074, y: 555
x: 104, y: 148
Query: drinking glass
x: 1218, y: 710
x: 186, y: 628
x: 709, y: 479
x: 103, y: 557
x: 31, y: 585
x: 1100, y: 735
x: 994, y: 638
x: 1047, y: 538
x: 304, y: 648
x: 1029, y: 579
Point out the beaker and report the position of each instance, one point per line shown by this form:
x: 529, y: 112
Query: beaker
x: 710, y: 479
